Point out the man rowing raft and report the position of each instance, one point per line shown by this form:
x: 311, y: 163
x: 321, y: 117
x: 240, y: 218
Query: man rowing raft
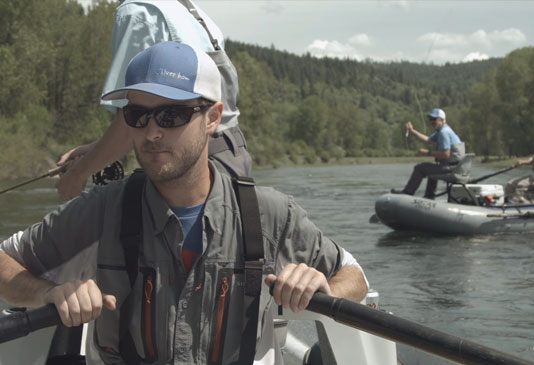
x: 172, y: 256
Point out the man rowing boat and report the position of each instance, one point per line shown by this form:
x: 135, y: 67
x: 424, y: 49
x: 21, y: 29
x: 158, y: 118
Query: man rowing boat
x: 177, y: 284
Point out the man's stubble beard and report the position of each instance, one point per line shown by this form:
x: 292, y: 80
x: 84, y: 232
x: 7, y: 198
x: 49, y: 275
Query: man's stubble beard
x: 182, y: 161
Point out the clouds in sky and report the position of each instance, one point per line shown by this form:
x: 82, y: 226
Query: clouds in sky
x: 381, y: 30
x: 384, y: 30
x: 470, y: 47
x: 441, y: 47
x: 350, y: 49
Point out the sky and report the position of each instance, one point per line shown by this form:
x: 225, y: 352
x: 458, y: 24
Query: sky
x: 430, y: 31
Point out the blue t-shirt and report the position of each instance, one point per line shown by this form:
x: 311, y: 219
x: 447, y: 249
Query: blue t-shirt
x: 445, y: 138
x: 191, y: 220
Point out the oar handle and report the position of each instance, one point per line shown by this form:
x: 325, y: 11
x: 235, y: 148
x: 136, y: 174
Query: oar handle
x: 410, y: 333
x: 21, y: 323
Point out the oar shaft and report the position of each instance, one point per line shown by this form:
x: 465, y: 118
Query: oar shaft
x: 474, y: 181
x: 410, y: 333
x: 20, y: 324
x: 344, y: 311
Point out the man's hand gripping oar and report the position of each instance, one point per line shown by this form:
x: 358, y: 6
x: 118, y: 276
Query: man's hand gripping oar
x: 400, y: 330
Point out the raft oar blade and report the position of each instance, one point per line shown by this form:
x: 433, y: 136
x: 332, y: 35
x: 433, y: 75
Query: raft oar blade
x: 409, y: 333
x: 21, y: 323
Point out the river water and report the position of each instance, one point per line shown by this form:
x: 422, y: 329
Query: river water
x: 480, y: 288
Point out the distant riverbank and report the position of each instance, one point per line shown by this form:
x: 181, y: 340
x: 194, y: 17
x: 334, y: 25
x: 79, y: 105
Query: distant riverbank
x: 28, y: 170
x: 493, y: 161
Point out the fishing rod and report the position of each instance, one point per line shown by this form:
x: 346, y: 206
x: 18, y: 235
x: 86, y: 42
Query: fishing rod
x: 50, y: 173
x: 420, y: 112
x: 114, y: 171
x: 415, y: 90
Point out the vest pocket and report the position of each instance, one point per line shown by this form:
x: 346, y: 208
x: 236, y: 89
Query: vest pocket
x: 111, y: 279
x: 148, y: 325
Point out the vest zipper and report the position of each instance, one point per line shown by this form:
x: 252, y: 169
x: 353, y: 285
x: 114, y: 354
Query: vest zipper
x: 148, y: 314
x: 221, y: 306
x: 149, y: 286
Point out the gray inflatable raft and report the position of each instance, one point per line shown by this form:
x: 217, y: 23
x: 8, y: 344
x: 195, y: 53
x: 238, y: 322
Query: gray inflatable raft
x: 411, y: 213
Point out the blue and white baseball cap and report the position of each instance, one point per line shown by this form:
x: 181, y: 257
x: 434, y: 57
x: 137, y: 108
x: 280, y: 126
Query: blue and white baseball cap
x: 171, y: 70
x: 437, y: 113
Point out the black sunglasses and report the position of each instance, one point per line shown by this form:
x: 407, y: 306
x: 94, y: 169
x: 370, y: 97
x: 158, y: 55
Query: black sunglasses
x: 168, y: 116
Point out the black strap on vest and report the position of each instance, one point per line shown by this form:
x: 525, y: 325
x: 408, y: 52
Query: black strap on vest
x: 253, y: 244
x: 131, y: 237
x: 131, y: 223
x: 197, y: 16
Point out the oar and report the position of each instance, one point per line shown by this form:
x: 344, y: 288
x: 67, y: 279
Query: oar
x: 525, y: 215
x: 410, y: 333
x: 20, y: 324
x: 478, y: 179
x: 50, y: 173
x: 341, y: 310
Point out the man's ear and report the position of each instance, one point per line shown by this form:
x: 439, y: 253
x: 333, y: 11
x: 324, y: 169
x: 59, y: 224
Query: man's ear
x: 214, y: 117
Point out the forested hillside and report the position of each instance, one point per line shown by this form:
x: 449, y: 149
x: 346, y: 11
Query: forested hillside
x: 294, y: 109
x: 331, y: 108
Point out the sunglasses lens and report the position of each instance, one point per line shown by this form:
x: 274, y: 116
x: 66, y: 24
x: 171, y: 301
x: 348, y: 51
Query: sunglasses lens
x: 135, y: 116
x: 171, y: 117
x: 166, y: 116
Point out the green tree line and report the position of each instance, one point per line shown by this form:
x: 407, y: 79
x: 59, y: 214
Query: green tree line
x: 54, y: 57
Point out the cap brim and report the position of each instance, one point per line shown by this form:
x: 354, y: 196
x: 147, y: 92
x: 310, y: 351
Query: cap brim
x: 163, y: 91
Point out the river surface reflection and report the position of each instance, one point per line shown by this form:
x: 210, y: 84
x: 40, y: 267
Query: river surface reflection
x: 480, y: 288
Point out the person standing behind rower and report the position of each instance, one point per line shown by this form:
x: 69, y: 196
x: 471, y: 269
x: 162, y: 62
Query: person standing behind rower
x: 138, y: 25
x: 450, y: 150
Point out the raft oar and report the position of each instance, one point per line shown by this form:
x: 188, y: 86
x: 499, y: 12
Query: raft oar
x: 50, y: 173
x: 21, y: 323
x: 409, y: 333
x: 525, y: 215
x: 478, y: 179
x: 341, y: 310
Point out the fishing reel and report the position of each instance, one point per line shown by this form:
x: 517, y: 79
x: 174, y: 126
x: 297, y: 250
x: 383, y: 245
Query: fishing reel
x: 112, y: 172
